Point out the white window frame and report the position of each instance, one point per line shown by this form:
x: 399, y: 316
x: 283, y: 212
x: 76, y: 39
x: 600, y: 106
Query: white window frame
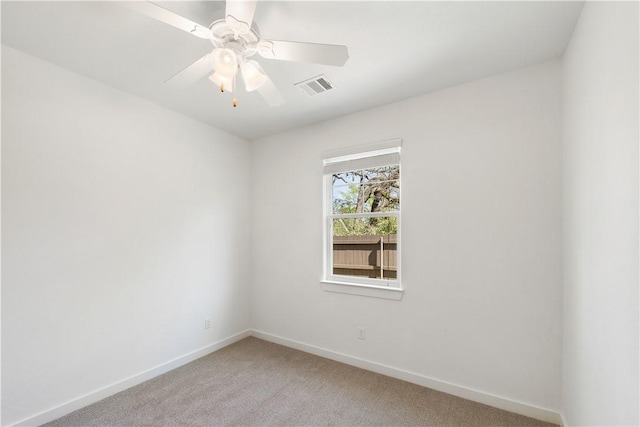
x: 356, y: 158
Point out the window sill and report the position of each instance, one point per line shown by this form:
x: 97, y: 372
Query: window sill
x: 363, y: 290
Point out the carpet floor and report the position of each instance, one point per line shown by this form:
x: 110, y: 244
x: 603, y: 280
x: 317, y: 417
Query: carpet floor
x: 258, y: 383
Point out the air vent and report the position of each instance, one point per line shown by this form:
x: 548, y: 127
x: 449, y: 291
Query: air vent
x: 315, y: 85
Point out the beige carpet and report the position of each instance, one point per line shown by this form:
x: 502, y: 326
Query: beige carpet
x: 257, y: 383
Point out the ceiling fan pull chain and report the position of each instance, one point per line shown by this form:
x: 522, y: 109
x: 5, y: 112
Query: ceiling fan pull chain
x: 235, y: 101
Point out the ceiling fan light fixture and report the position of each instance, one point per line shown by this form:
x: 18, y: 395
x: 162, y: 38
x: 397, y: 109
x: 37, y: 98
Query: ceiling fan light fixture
x: 253, y: 75
x: 224, y: 62
x: 225, y: 83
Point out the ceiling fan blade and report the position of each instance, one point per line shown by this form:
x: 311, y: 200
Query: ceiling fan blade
x: 328, y: 54
x: 161, y: 14
x: 241, y: 13
x: 270, y: 93
x: 190, y: 74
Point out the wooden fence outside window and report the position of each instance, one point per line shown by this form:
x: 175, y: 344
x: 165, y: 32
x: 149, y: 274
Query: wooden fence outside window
x: 366, y: 256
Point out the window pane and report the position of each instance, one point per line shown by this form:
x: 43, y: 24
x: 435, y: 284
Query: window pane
x: 365, y: 247
x: 368, y: 190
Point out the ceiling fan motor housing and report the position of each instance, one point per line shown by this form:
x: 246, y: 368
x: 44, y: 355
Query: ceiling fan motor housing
x: 244, y: 44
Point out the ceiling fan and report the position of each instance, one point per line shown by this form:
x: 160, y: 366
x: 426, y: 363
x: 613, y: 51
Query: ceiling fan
x: 236, y: 38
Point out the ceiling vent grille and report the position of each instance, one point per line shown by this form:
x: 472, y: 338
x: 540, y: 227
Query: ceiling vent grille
x: 315, y: 85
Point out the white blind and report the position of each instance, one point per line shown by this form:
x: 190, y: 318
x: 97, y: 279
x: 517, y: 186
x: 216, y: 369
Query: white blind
x: 363, y: 160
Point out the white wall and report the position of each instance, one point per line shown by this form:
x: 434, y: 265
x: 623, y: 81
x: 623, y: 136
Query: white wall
x: 124, y: 225
x: 600, y: 167
x: 481, y: 238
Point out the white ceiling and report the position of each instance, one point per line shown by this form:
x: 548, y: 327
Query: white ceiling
x: 397, y: 50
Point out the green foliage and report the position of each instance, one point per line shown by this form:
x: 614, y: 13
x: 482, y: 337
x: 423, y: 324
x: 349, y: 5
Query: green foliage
x: 365, y: 226
x: 348, y: 200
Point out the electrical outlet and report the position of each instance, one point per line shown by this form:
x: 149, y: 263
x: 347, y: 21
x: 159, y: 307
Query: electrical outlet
x: 362, y: 334
x: 207, y: 323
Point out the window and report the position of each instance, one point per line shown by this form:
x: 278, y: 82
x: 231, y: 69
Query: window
x: 362, y: 217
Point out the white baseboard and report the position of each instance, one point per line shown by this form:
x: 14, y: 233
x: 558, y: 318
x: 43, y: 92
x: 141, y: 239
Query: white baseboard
x: 564, y: 420
x: 94, y: 396
x: 446, y: 387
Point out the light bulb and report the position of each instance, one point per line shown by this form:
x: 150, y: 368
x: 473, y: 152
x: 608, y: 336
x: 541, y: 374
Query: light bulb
x: 253, y: 75
x: 224, y: 62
